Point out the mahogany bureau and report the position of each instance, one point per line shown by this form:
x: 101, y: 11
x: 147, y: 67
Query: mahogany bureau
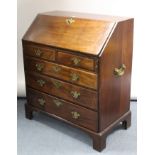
x: 78, y: 70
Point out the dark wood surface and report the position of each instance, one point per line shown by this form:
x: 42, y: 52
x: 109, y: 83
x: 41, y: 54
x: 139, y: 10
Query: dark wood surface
x: 84, y: 35
x: 60, y: 56
x: 69, y: 59
x: 100, y: 100
x: 86, y: 79
x: 40, y: 52
x: 114, y: 92
x: 87, y: 98
x: 86, y: 119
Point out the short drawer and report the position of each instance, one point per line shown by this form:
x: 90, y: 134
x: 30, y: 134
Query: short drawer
x: 76, y: 94
x: 68, y: 111
x: 77, y: 61
x: 40, y: 52
x: 71, y: 75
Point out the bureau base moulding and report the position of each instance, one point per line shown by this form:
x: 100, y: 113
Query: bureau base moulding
x: 99, y: 139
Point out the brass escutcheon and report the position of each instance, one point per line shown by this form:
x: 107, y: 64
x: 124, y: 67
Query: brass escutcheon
x: 38, y: 52
x: 75, y: 94
x: 41, y: 82
x: 56, y: 69
x: 57, y: 84
x: 74, y: 77
x: 41, y: 101
x: 70, y: 20
x: 39, y: 66
x: 57, y: 103
x: 75, y: 114
x: 75, y: 60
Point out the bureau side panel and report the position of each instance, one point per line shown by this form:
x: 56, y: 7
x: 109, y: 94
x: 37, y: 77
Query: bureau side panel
x: 114, y: 92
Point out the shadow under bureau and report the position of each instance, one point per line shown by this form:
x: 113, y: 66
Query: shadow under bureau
x: 78, y: 70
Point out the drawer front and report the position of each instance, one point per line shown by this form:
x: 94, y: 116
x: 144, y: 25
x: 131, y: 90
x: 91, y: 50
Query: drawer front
x: 76, y: 114
x: 64, y: 90
x: 39, y: 52
x: 71, y: 75
x: 76, y: 61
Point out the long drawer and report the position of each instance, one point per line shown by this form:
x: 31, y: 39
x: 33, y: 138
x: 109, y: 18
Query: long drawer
x: 71, y: 75
x: 76, y: 114
x: 76, y: 94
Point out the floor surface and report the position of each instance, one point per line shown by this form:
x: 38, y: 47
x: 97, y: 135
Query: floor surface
x: 47, y: 136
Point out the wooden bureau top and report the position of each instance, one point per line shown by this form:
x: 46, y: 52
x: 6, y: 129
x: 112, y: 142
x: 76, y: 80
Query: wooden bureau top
x: 84, y: 33
x: 86, y: 16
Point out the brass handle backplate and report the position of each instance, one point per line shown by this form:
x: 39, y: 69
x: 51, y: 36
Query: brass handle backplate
x: 75, y: 60
x: 56, y: 69
x: 57, y: 84
x: 41, y: 82
x: 41, y: 101
x: 57, y: 103
x: 38, y: 52
x: 70, y: 21
x: 120, y: 71
x: 74, y: 77
x: 75, y: 114
x: 75, y: 94
x: 39, y: 66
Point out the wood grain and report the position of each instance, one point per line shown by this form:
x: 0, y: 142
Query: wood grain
x: 64, y: 91
x: 40, y: 52
x: 114, y: 92
x: 87, y: 94
x: 86, y: 119
x: 86, y: 79
x: 84, y: 35
x: 68, y: 59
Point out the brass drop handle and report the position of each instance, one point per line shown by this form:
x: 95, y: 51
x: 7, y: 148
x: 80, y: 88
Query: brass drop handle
x: 76, y: 61
x: 56, y: 69
x: 41, y: 101
x: 57, y: 103
x: 70, y: 21
x: 74, y: 77
x: 38, y: 52
x: 39, y: 66
x: 57, y: 84
x: 120, y: 71
x: 75, y: 94
x: 75, y: 114
x: 41, y: 82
